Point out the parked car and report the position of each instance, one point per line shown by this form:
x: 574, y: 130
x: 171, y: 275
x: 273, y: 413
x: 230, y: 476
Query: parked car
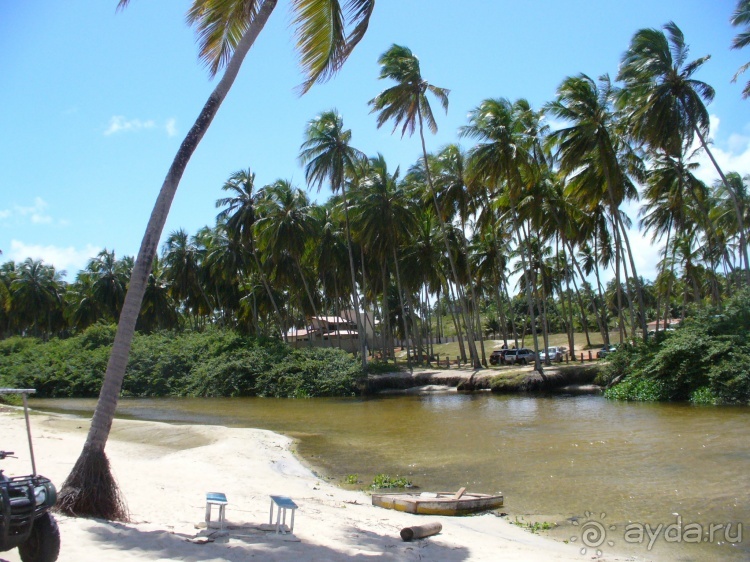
x: 606, y: 350
x: 554, y: 353
x: 523, y: 356
x: 497, y: 357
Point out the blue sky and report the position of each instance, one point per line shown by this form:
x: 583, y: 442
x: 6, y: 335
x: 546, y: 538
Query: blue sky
x: 95, y: 103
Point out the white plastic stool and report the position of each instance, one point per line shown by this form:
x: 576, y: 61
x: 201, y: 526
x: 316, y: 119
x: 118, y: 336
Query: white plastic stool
x: 215, y: 498
x: 283, y: 503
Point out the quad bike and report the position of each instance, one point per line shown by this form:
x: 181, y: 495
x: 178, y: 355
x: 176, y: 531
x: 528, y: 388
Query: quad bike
x: 25, y: 504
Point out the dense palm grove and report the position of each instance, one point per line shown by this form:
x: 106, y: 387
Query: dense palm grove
x: 523, y: 201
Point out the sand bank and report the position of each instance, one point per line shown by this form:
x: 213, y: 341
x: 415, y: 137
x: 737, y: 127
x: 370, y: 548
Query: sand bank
x: 165, y: 471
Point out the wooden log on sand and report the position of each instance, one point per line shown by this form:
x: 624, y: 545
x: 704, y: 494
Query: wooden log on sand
x: 420, y: 531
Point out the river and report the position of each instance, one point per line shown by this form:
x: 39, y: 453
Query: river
x: 651, y: 479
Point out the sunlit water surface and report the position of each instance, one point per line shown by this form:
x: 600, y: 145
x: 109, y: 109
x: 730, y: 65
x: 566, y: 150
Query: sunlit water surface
x: 561, y: 459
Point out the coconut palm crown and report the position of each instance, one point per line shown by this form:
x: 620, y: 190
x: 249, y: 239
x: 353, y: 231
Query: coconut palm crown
x: 404, y: 102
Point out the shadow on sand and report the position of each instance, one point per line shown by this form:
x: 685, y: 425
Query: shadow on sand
x: 247, y: 540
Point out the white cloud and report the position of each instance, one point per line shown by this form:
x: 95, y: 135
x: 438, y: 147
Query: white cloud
x: 36, y: 212
x: 119, y: 124
x: 171, y: 127
x: 70, y: 259
x: 732, y: 155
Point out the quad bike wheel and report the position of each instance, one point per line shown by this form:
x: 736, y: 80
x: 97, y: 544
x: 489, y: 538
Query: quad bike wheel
x: 43, y: 544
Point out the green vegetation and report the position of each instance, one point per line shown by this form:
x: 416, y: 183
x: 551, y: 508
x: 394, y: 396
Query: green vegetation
x: 545, y: 207
x: 509, y: 381
x: 385, y: 481
x: 535, y: 526
x: 352, y: 479
x: 707, y: 361
x: 209, y: 363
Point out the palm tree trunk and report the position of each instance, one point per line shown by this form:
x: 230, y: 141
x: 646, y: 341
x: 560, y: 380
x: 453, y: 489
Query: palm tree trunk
x: 310, y: 299
x: 385, y: 313
x: 469, y: 329
x: 90, y: 489
x: 456, y: 322
x: 529, y: 296
x: 364, y: 294
x: 403, y: 309
x: 664, y: 274
x: 605, y: 316
x: 355, y: 296
x: 473, y: 294
x: 638, y: 287
x: 269, y: 293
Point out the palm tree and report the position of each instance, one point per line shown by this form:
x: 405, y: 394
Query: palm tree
x: 182, y: 261
x: 506, y: 155
x: 666, y: 103
x: 332, y: 254
x: 406, y: 104
x: 598, y: 161
x: 328, y: 156
x: 455, y: 198
x: 723, y: 207
x: 36, y: 295
x: 741, y: 17
x: 226, y: 31
x: 383, y: 222
x: 670, y: 196
x: 285, y: 224
x: 158, y: 311
x: 240, y: 215
x: 110, y: 279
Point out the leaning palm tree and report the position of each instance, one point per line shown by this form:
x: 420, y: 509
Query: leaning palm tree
x: 406, y: 104
x: 666, y: 103
x: 328, y: 156
x: 226, y: 32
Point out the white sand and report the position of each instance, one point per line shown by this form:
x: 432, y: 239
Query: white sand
x: 165, y: 489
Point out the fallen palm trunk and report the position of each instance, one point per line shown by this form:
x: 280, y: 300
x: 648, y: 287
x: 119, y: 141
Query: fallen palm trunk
x: 420, y: 531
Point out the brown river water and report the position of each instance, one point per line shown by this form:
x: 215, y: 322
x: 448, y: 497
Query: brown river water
x: 661, y: 481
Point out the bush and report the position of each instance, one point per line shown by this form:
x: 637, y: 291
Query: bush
x: 385, y: 481
x: 706, y: 361
x: 309, y: 372
x: 210, y: 363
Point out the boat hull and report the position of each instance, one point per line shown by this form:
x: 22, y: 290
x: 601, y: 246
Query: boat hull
x: 442, y: 503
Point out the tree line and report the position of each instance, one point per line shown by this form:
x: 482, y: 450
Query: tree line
x: 525, y: 201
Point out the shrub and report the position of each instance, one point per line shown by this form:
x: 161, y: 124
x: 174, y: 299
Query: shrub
x: 706, y: 361
x: 309, y: 372
x: 385, y: 481
x: 213, y: 362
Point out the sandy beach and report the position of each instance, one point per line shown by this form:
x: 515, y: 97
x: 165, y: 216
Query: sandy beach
x: 165, y: 486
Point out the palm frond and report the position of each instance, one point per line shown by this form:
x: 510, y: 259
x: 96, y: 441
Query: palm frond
x: 220, y: 24
x: 322, y: 38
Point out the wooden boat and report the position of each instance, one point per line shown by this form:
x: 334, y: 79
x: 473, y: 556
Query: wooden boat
x: 440, y: 503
